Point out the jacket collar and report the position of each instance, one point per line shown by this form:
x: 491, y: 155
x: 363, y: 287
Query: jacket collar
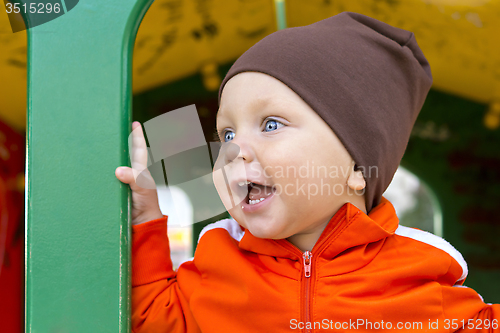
x: 349, y: 227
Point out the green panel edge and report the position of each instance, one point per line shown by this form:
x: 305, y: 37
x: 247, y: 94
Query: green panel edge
x: 96, y: 22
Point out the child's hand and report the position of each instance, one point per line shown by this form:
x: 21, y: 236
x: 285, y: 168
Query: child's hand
x: 145, y: 205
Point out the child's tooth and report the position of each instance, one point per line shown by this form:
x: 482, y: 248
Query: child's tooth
x: 253, y: 202
x: 241, y: 183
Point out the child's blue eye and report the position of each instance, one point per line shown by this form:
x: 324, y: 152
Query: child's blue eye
x: 272, y: 124
x: 229, y: 135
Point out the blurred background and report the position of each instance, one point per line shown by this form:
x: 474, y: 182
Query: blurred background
x: 449, y: 179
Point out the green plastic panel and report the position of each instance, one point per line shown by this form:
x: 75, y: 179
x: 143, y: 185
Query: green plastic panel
x: 77, y: 212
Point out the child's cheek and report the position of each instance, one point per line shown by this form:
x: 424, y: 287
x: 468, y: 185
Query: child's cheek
x: 222, y: 188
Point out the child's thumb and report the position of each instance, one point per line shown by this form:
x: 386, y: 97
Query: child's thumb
x: 125, y: 175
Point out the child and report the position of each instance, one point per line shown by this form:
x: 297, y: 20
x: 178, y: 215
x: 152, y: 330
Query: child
x: 315, y: 252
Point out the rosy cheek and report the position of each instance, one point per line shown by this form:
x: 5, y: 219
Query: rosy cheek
x: 222, y: 188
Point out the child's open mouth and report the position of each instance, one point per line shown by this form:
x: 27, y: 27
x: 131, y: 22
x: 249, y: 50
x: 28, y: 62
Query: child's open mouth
x: 258, y: 196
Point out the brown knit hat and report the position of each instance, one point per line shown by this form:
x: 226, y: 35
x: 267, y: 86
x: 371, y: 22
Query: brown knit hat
x: 366, y: 79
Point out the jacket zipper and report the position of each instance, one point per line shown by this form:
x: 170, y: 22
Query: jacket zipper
x: 307, y: 256
x: 308, y: 279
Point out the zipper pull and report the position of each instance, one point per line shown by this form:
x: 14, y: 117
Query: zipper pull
x: 307, y: 263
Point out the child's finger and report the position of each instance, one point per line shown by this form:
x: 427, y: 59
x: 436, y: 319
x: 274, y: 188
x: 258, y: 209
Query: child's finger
x: 139, y: 160
x: 135, y: 124
x: 139, y: 153
x: 125, y: 175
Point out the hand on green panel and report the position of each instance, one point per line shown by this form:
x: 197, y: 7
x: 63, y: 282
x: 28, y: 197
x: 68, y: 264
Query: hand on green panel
x: 145, y: 205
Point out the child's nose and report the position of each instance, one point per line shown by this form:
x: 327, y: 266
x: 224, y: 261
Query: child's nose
x: 237, y: 149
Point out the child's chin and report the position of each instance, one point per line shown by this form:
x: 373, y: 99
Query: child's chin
x: 263, y: 232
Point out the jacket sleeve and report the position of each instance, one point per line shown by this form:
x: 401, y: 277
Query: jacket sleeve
x: 486, y: 320
x: 465, y: 311
x: 160, y: 303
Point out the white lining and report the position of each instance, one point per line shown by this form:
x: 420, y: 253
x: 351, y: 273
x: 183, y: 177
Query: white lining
x: 231, y: 226
x: 436, y: 241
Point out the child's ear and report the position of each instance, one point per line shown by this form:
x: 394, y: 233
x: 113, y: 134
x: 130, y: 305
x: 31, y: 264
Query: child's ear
x: 356, y: 181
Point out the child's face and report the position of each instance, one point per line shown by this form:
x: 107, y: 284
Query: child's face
x: 282, y: 142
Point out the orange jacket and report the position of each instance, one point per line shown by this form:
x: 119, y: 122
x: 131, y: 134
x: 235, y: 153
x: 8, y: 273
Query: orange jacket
x: 365, y: 273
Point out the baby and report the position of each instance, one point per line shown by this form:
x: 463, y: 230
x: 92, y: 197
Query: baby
x: 315, y: 252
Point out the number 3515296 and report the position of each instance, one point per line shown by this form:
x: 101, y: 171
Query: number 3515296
x: 39, y: 8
